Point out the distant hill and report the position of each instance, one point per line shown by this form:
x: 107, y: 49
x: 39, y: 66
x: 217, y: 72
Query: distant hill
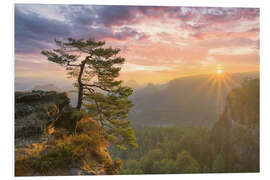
x: 193, y: 100
x: 47, y: 87
x: 131, y: 83
x: 183, y: 101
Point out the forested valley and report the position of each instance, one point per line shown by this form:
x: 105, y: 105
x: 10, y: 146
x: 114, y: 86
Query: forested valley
x: 229, y: 144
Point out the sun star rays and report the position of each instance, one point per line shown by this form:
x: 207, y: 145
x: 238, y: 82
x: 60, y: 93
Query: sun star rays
x: 217, y: 86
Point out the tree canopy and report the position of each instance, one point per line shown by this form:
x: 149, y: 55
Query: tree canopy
x: 96, y: 68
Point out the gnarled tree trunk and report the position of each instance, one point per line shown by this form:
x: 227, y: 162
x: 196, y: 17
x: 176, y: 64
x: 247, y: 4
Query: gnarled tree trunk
x: 80, y: 88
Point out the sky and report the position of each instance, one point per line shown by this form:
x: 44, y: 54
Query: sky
x: 158, y: 43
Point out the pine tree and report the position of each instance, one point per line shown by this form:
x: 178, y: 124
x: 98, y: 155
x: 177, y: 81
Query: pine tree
x: 95, y: 68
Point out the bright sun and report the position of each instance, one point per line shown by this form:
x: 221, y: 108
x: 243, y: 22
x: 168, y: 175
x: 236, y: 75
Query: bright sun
x: 219, y: 71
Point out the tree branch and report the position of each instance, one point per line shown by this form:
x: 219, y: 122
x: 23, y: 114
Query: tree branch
x: 90, y: 89
x: 94, y: 85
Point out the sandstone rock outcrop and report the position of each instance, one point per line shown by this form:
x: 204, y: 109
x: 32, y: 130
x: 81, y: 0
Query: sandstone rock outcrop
x: 34, y: 111
x: 45, y: 143
x: 236, y: 134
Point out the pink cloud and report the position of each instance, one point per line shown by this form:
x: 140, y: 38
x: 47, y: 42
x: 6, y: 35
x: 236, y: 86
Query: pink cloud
x: 218, y: 34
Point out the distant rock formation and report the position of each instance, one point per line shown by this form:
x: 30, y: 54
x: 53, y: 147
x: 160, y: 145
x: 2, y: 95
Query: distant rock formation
x: 236, y: 134
x: 47, y: 87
